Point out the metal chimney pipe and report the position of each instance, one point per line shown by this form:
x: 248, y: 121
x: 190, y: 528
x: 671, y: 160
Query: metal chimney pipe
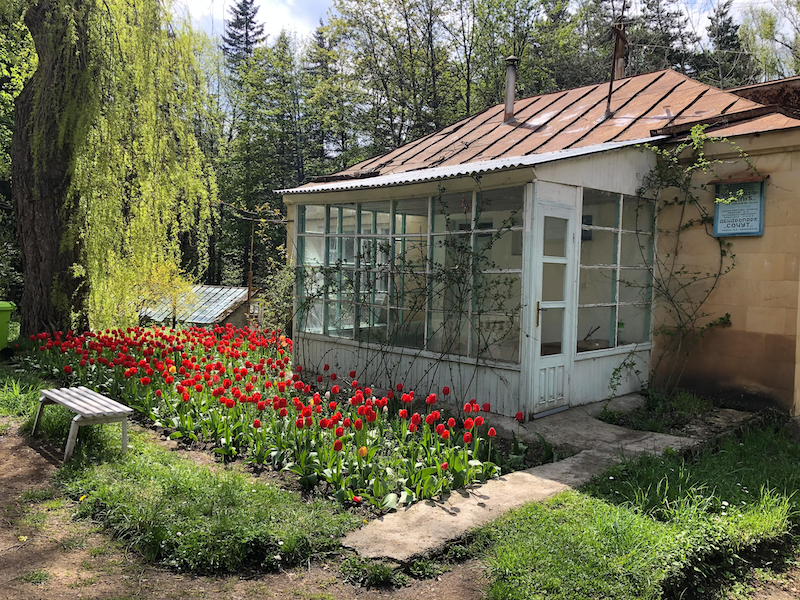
x: 511, y: 87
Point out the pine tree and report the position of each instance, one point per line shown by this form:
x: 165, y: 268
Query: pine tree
x: 242, y: 32
x: 660, y: 39
x: 726, y: 64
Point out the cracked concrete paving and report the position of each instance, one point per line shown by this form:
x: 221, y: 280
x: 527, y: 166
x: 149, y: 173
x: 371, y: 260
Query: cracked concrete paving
x: 427, y: 527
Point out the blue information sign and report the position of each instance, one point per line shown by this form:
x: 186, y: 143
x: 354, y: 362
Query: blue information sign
x: 739, y: 209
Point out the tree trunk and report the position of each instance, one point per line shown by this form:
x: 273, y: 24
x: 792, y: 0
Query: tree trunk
x: 52, y: 115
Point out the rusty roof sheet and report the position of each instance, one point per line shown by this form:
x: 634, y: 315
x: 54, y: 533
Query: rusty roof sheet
x: 640, y: 107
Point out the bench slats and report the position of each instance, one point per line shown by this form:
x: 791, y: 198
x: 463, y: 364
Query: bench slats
x: 87, y: 402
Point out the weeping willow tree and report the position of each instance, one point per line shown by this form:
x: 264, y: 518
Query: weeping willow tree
x: 110, y: 184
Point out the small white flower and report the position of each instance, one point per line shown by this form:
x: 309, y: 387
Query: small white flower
x: 611, y: 477
x: 277, y: 557
x: 724, y: 503
x: 179, y: 534
x: 327, y: 395
x: 280, y: 543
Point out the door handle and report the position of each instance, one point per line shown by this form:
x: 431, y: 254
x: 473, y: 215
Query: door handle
x: 538, y: 310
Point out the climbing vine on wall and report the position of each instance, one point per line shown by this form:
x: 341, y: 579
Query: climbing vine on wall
x: 681, y: 290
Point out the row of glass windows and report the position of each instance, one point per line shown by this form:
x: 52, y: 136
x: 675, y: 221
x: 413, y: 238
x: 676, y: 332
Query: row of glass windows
x: 615, y: 280
x: 440, y: 273
x: 444, y: 273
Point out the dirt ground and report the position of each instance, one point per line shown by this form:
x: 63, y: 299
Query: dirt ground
x: 45, y: 555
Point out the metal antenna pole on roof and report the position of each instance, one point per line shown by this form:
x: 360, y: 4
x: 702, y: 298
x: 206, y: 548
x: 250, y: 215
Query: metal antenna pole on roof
x: 618, y: 62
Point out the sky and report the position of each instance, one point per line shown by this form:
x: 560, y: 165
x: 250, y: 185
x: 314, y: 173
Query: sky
x: 299, y: 16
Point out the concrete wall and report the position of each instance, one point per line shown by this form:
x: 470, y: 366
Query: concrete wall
x: 757, y: 355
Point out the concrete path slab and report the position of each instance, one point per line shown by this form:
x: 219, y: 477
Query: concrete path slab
x: 427, y: 527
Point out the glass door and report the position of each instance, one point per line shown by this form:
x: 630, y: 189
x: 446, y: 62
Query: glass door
x: 553, y: 306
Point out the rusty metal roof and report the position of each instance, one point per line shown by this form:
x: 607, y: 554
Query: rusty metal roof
x: 663, y: 102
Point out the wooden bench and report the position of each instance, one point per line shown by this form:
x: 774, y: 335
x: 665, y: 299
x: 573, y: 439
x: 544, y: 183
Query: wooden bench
x: 92, y: 408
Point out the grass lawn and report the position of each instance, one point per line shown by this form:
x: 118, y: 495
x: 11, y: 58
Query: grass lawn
x: 656, y: 527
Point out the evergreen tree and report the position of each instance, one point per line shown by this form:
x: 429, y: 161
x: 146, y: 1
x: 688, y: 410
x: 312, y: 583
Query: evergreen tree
x: 725, y: 64
x: 242, y: 32
x: 659, y: 38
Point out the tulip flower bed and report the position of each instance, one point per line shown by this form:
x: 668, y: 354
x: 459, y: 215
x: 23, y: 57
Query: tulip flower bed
x: 238, y: 390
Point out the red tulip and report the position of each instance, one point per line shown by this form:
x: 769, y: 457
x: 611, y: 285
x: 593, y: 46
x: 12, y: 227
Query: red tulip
x: 519, y: 417
x: 67, y: 369
x: 352, y: 374
x: 468, y: 408
x: 444, y: 466
x: 467, y: 437
x: 487, y: 407
x: 451, y: 422
x: 468, y: 423
x: 446, y: 392
x: 492, y: 432
x: 478, y: 421
x: 337, y: 445
x: 256, y: 423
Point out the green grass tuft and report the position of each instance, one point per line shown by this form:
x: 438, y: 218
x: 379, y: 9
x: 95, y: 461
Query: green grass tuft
x: 661, y: 412
x: 37, y: 576
x: 196, y: 519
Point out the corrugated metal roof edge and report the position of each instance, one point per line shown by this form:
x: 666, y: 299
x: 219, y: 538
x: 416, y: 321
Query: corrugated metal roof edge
x: 422, y: 175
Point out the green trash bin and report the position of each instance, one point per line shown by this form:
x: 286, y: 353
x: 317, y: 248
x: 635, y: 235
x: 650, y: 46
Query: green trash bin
x: 6, y: 308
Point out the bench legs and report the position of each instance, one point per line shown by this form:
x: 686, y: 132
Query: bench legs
x: 124, y: 435
x: 42, y: 403
x: 73, y: 436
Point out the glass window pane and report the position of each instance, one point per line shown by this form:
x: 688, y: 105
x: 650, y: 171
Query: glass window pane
x: 410, y: 290
x: 312, y: 250
x: 601, y: 208
x: 498, y: 292
x: 638, y: 214
x: 553, y: 281
x: 310, y: 282
x: 496, y: 337
x: 555, y: 236
x: 372, y: 323
x: 333, y: 251
x: 341, y: 284
x: 348, y: 221
x: 551, y: 321
x: 448, y: 333
x: 500, y: 208
x: 596, y: 286
x: 309, y: 314
x: 374, y: 287
x: 341, y: 318
x: 500, y: 250
x: 375, y: 218
x: 637, y: 250
x: 313, y: 219
x: 633, y: 326
x: 348, y: 250
x: 411, y: 254
x: 452, y: 251
x: 595, y: 328
x: 333, y: 219
x: 452, y: 212
x: 411, y: 217
x: 599, y: 249
x: 408, y: 328
x: 635, y: 285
